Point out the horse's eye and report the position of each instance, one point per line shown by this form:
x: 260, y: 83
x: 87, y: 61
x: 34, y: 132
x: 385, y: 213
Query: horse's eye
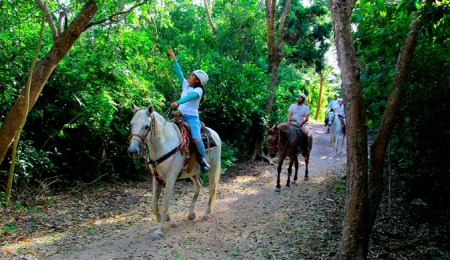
x: 146, y: 127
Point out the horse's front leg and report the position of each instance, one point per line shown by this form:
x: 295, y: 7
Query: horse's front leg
x: 168, y: 192
x: 197, y: 186
x: 296, y: 169
x: 157, y: 187
x: 333, y: 143
x: 291, y: 162
x: 280, y: 165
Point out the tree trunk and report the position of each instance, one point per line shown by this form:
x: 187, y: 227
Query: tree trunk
x: 274, y: 53
x: 320, y: 97
x: 363, y: 190
x: 274, y: 48
x: 42, y: 72
x: 356, y: 228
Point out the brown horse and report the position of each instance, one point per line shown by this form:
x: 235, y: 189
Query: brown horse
x: 287, y: 140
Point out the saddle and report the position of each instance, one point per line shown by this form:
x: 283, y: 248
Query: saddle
x: 302, y: 138
x: 191, y: 152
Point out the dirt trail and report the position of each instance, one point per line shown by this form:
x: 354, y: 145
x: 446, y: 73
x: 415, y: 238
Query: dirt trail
x: 250, y: 219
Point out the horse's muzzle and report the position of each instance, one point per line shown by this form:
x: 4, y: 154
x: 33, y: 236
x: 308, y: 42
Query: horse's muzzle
x: 133, y: 151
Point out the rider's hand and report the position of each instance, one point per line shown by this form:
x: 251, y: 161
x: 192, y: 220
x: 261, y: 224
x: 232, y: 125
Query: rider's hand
x: 170, y: 53
x: 174, y: 105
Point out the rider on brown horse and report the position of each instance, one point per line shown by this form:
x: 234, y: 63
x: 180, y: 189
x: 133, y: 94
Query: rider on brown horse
x: 298, y: 115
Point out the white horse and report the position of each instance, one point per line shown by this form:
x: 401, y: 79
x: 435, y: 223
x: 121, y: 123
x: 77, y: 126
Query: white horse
x: 335, y: 130
x: 164, y: 143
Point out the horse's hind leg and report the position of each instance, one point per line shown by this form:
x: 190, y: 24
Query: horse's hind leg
x: 197, y: 186
x: 214, y: 176
x: 296, y: 170
x: 306, y: 166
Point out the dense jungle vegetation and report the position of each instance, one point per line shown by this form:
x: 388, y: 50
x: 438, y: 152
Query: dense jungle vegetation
x: 77, y: 131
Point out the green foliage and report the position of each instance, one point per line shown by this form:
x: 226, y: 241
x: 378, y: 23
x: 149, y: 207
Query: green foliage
x: 78, y: 126
x: 229, y: 156
x: 419, y: 147
x: 32, y: 163
x: 8, y: 227
x: 420, y: 142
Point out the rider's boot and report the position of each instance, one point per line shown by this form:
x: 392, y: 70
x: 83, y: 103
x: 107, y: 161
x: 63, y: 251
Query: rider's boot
x: 204, y: 166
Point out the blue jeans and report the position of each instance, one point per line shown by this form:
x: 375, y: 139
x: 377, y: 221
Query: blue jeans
x: 194, y: 124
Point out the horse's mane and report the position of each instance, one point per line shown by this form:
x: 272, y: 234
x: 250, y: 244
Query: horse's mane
x: 163, y: 125
x: 288, y: 130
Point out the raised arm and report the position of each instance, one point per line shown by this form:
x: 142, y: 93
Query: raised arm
x: 176, y: 66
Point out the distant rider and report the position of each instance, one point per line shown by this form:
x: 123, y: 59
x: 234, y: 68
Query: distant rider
x: 332, y: 106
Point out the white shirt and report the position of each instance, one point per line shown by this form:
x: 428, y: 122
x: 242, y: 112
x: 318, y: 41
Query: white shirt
x: 299, y: 112
x: 340, y: 111
x: 333, y: 104
x: 190, y: 107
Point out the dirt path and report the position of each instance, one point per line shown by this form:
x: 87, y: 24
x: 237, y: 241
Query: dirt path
x: 250, y: 219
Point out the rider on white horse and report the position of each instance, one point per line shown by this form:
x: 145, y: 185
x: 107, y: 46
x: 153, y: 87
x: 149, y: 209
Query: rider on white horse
x: 341, y: 114
x: 333, y: 105
x: 191, y: 96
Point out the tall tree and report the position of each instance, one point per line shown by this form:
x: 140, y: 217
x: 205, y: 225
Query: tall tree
x: 274, y: 45
x: 45, y: 67
x: 364, y: 185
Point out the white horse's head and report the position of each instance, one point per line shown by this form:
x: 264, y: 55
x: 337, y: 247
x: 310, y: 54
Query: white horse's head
x: 140, y: 128
x: 330, y: 117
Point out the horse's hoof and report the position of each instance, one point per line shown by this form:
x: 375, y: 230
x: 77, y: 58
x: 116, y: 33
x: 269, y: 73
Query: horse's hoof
x: 191, y: 216
x: 167, y: 218
x: 277, y: 189
x: 205, y: 218
x: 293, y: 182
x: 287, y: 186
x: 157, y: 236
x: 306, y: 178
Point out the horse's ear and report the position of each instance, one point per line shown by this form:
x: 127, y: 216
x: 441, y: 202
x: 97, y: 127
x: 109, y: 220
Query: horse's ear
x: 150, y: 109
x: 134, y: 108
x: 267, y: 128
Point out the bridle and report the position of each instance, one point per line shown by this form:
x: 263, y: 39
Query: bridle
x: 143, y: 137
x: 182, y: 144
x: 278, y: 141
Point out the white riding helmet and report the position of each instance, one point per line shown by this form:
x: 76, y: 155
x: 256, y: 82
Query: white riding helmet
x: 202, y: 76
x: 302, y: 95
x: 340, y: 100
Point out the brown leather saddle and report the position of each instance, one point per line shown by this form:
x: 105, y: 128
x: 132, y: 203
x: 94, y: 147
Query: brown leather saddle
x: 192, y: 153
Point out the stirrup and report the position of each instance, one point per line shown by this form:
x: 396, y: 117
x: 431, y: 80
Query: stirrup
x: 204, y: 166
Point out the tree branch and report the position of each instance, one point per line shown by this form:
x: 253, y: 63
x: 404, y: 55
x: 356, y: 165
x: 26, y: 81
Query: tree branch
x: 287, y: 6
x: 209, y: 18
x: 112, y: 18
x: 49, y: 19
